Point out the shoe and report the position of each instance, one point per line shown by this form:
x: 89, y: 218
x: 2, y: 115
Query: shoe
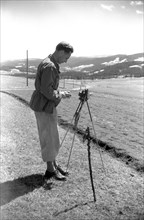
x: 58, y: 167
x: 64, y: 173
x: 59, y: 176
x: 48, y: 175
x: 55, y: 174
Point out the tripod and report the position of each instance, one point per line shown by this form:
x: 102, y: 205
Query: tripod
x: 83, y: 96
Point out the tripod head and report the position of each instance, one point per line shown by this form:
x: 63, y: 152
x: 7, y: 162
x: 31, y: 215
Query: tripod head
x: 83, y: 95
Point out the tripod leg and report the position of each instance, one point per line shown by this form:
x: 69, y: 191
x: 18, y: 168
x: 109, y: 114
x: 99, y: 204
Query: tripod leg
x: 90, y: 169
x: 95, y: 135
x: 70, y: 123
x: 71, y: 150
x: 65, y: 135
x: 76, y: 116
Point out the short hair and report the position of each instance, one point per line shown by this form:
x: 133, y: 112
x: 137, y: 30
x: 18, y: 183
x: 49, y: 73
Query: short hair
x: 65, y: 46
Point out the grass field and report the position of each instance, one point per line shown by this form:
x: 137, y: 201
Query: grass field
x: 119, y: 193
x: 116, y: 106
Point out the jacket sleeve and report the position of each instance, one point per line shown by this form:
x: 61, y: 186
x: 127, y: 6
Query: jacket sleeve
x: 48, y: 78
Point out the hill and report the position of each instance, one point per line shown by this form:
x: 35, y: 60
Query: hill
x: 86, y: 67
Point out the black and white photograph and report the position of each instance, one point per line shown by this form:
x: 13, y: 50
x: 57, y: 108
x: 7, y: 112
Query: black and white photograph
x: 72, y: 110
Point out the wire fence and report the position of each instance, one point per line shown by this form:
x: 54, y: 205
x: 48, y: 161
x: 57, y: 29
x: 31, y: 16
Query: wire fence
x: 73, y: 84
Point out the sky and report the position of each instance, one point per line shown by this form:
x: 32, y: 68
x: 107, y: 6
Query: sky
x: 93, y: 28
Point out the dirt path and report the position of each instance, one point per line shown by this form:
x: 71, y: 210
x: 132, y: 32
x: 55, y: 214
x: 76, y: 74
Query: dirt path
x: 119, y: 194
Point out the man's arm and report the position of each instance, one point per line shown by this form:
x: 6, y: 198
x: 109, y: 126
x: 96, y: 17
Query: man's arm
x: 47, y: 85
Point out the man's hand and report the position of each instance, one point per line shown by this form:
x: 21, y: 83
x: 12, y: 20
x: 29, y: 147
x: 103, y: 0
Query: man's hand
x: 64, y: 94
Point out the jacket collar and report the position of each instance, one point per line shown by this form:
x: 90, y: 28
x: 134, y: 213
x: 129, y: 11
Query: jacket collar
x: 53, y: 60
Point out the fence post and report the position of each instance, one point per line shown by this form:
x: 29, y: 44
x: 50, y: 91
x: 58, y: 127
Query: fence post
x: 64, y: 84
x: 27, y: 67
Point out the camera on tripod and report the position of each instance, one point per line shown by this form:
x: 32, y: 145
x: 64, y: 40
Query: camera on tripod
x: 83, y: 95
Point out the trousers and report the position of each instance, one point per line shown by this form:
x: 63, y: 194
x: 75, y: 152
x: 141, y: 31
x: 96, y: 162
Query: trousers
x: 48, y: 134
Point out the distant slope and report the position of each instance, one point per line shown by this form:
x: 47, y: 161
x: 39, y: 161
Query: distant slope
x: 88, y: 67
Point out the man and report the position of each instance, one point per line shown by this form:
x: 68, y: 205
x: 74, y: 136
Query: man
x: 44, y: 101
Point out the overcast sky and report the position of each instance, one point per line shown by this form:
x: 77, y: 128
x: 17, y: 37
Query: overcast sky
x: 94, y: 28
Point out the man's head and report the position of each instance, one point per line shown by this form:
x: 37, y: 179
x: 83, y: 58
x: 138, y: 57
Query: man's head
x: 63, y: 52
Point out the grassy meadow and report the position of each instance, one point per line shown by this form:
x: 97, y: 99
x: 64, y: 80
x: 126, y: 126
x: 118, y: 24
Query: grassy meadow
x: 117, y: 109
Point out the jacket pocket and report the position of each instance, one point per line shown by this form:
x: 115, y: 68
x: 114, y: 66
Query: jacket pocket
x: 49, y: 106
x: 38, y: 101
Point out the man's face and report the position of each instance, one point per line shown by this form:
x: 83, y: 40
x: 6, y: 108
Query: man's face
x: 63, y: 56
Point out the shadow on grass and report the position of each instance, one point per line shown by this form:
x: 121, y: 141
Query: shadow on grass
x: 11, y: 190
x: 72, y: 207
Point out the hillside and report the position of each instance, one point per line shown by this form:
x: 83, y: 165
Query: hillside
x: 86, y: 67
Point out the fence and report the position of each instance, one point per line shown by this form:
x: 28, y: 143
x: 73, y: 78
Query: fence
x: 72, y: 84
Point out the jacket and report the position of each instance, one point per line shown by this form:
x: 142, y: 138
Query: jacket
x: 46, y: 95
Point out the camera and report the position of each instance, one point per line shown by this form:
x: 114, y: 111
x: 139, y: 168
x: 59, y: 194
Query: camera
x: 83, y: 95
